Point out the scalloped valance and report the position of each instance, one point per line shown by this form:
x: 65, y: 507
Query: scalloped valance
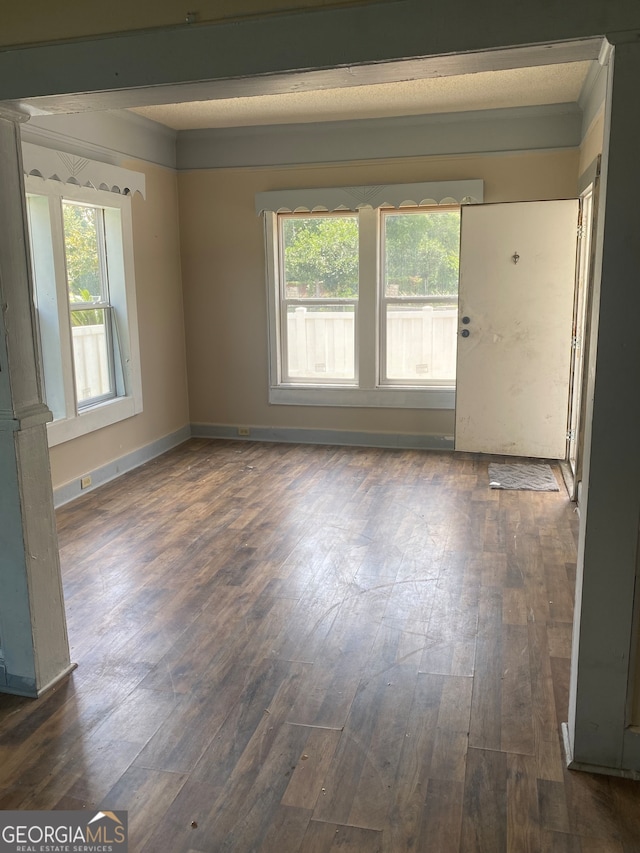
x: 353, y: 198
x: 49, y: 164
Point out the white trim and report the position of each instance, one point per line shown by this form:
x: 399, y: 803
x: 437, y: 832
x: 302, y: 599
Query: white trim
x: 366, y: 390
x: 273, y: 314
x: 99, y: 476
x: 13, y: 113
x: 368, y: 328
x: 354, y: 198
x: 588, y: 176
x: 54, y: 681
x: 335, y: 437
x: 49, y: 164
x: 592, y: 96
x: 96, y: 417
x: 69, y: 423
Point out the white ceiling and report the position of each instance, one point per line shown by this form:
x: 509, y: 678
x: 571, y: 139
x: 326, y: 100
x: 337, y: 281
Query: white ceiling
x: 513, y: 87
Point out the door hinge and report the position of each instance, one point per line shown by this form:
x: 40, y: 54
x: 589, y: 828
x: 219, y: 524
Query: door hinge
x: 571, y: 434
x: 575, y: 342
x: 581, y: 231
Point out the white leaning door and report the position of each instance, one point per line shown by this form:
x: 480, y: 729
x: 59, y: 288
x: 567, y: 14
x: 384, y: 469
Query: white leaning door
x: 517, y: 279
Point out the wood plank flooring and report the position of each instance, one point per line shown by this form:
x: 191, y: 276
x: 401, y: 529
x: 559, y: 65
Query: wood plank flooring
x: 285, y: 648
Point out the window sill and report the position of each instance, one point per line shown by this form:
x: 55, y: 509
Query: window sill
x: 92, y: 419
x: 389, y: 397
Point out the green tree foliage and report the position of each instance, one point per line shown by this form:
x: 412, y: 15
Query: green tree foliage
x: 422, y: 253
x: 321, y: 255
x: 81, y: 253
x: 83, y: 262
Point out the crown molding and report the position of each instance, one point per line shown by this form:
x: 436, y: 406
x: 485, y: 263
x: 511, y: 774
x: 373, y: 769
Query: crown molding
x: 474, y: 132
x: 112, y: 136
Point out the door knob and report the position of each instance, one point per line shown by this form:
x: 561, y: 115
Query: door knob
x: 465, y: 333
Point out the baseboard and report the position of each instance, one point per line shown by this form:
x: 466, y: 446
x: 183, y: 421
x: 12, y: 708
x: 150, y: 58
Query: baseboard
x: 99, y: 476
x: 566, y: 743
x: 300, y: 435
x: 20, y: 686
x: 55, y: 681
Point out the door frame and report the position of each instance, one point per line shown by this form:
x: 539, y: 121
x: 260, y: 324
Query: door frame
x: 583, y: 313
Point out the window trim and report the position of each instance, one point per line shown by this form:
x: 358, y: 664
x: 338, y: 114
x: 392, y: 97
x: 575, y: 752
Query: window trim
x: 324, y: 199
x: 370, y: 392
x: 73, y: 421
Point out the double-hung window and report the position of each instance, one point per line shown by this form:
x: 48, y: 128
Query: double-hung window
x: 363, y: 301
x: 84, y: 293
x: 90, y: 310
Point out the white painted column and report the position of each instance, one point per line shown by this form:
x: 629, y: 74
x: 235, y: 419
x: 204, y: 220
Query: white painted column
x: 599, y: 734
x: 34, y: 650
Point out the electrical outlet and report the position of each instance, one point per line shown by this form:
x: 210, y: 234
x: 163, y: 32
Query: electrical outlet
x: 85, y: 482
x: 244, y: 431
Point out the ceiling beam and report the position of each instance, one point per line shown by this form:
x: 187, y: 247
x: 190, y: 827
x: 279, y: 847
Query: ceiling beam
x: 320, y: 49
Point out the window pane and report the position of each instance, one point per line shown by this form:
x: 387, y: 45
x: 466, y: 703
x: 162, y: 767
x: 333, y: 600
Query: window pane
x: 82, y: 252
x: 320, y: 256
x: 91, y: 354
x: 421, y: 253
x: 421, y: 341
x: 321, y: 342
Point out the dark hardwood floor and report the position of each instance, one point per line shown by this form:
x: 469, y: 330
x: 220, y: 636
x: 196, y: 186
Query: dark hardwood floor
x: 285, y: 648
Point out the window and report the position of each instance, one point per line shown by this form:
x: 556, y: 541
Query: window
x: 319, y: 298
x: 363, y: 306
x: 84, y: 292
x: 362, y: 293
x: 90, y: 310
x: 419, y: 296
